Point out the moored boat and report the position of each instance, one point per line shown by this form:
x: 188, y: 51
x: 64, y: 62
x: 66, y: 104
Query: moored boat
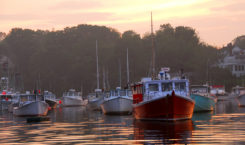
x: 218, y: 90
x: 118, y: 102
x: 73, y: 98
x: 96, y: 99
x: 162, y: 99
x: 204, y: 100
x: 50, y: 98
x: 239, y: 93
x: 31, y: 105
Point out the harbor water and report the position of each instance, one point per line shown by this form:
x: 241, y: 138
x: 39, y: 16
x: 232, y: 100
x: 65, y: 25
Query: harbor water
x: 79, y: 125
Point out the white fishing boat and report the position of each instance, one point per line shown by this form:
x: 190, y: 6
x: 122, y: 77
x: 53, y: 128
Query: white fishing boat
x: 73, y: 98
x: 31, y: 105
x: 118, y: 102
x: 96, y: 99
x: 50, y: 98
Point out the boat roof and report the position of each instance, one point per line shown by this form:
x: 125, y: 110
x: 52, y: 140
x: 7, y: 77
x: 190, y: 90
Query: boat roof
x: 172, y: 80
x: 238, y: 87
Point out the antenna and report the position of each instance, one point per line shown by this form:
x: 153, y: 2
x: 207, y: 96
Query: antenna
x: 153, y: 50
x: 97, y: 66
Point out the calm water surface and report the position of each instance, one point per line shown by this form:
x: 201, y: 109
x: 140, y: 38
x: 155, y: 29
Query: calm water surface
x: 78, y: 125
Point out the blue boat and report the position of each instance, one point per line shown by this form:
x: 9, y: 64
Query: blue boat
x: 205, y: 101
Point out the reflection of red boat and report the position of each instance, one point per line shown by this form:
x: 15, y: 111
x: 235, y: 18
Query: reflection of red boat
x: 167, y: 132
x: 162, y: 99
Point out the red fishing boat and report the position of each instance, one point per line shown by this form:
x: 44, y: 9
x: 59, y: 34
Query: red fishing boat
x: 162, y: 99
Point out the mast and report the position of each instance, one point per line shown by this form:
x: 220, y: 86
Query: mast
x: 120, y: 75
x: 127, y: 69
x: 104, y: 79
x: 97, y: 67
x: 153, y: 50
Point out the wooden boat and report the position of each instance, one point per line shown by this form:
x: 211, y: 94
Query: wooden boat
x: 73, y: 98
x: 162, y: 99
x: 204, y: 100
x: 31, y: 105
x: 118, y: 102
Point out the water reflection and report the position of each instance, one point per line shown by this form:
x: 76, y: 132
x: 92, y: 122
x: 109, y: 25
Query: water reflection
x: 163, y: 132
x: 78, y: 125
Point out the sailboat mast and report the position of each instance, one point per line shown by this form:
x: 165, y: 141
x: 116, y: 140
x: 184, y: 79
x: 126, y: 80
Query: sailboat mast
x: 104, y: 83
x: 127, y: 68
x: 120, y: 75
x: 153, y: 50
x: 97, y: 67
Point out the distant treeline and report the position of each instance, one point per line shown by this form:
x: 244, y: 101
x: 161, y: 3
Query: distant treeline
x: 67, y: 59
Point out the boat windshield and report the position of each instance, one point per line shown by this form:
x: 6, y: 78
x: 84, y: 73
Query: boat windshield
x: 180, y: 86
x: 167, y: 86
x: 153, y: 87
x: 199, y: 89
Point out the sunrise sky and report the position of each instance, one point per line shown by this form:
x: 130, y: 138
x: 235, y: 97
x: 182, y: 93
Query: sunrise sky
x: 217, y: 21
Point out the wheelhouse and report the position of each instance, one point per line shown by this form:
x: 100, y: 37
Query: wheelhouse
x: 157, y: 88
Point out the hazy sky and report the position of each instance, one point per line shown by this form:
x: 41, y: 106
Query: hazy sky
x: 216, y: 21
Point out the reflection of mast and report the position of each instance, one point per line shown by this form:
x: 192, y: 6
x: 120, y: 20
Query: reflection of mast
x: 153, y: 49
x: 97, y: 67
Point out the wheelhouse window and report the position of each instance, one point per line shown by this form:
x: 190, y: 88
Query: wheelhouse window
x: 153, y: 87
x: 180, y: 86
x: 167, y: 86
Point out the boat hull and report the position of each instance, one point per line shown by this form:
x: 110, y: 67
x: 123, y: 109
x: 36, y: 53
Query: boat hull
x: 241, y: 100
x: 94, y: 104
x: 68, y: 102
x: 171, y: 107
x: 38, y: 108
x: 51, y: 103
x: 203, y: 103
x: 117, y: 105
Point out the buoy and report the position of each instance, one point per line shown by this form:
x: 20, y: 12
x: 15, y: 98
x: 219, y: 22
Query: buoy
x: 49, y: 108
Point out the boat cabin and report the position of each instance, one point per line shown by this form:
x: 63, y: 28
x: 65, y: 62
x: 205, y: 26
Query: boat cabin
x: 200, y: 89
x: 119, y: 92
x: 151, y: 89
x: 6, y: 97
x: 71, y: 93
x: 238, y: 90
x: 49, y: 95
x: 217, y: 90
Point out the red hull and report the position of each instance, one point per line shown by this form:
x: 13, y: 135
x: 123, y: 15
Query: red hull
x: 172, y: 107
